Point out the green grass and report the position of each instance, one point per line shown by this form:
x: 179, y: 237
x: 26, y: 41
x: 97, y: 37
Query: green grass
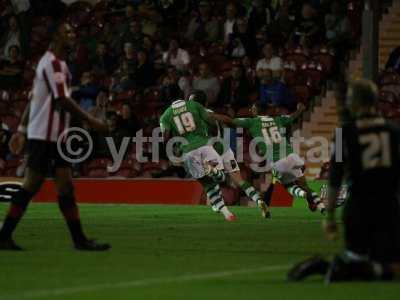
x: 172, y: 252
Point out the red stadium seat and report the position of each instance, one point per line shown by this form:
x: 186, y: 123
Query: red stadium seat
x: 290, y: 77
x: 297, y: 56
x: 96, y: 168
x: 127, y: 169
x: 302, y: 93
x: 11, y: 120
x: 325, y: 59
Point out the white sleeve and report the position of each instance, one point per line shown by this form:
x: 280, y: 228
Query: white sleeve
x: 56, y: 79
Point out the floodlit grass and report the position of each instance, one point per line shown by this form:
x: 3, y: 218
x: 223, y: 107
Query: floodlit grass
x: 172, y: 252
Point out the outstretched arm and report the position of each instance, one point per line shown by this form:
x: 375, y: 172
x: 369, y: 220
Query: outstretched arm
x: 300, y: 109
x: 71, y: 106
x: 228, y: 121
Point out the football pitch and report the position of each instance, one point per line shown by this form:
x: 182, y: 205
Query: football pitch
x: 172, y: 252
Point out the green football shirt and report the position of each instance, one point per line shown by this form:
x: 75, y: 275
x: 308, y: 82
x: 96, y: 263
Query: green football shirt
x: 273, y: 141
x: 187, y: 119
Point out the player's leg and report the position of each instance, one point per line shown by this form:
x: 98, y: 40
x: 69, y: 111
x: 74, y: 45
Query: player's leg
x: 290, y: 173
x: 251, y: 192
x: 204, y: 161
x: 205, y: 165
x: 214, y: 194
x: 20, y: 200
x: 231, y: 168
x: 70, y: 211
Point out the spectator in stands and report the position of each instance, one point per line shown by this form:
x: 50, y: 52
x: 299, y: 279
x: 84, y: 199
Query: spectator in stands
x: 130, y: 57
x: 110, y: 37
x: 231, y: 13
x: 144, y: 75
x: 235, y: 89
x: 274, y: 92
x: 102, y: 62
x: 125, y: 74
x: 5, y: 136
x: 117, y: 135
x: 176, y: 56
x: 282, y: 27
x: 134, y: 35
x: 87, y: 92
x: 128, y: 123
x: 170, y: 89
x: 207, y: 83
x: 11, y: 69
x: 270, y: 61
x: 130, y: 16
x: 308, y: 27
x: 203, y: 27
x: 102, y: 105
x: 338, y: 29
x: 249, y: 69
x: 150, y: 17
x: 393, y: 62
x: 122, y: 79
x: 241, y: 42
x: 261, y: 15
x: 12, y: 37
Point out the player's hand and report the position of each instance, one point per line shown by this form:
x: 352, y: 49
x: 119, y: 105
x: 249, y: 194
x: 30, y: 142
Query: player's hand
x: 17, y: 143
x: 98, y: 125
x: 330, y: 229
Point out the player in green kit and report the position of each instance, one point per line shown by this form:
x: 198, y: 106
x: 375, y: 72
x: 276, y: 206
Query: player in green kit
x: 189, y: 120
x: 231, y: 167
x: 273, y: 145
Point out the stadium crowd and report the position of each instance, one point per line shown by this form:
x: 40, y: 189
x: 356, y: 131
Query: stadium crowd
x: 132, y: 58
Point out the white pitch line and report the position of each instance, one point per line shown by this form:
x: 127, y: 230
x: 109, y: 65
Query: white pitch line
x: 137, y: 283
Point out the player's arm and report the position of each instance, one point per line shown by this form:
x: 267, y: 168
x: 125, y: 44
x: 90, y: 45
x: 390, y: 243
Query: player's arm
x: 205, y: 115
x: 57, y: 83
x: 228, y: 121
x: 297, y: 114
x: 70, y: 105
x: 165, y: 128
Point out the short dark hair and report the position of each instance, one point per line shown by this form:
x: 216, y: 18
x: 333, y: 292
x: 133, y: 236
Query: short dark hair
x: 364, y: 92
x: 199, y: 96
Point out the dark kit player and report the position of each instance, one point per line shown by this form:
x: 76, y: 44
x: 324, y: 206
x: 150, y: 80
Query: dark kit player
x: 45, y: 119
x: 371, y: 216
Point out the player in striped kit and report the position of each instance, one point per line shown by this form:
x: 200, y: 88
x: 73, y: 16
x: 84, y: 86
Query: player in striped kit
x: 44, y: 121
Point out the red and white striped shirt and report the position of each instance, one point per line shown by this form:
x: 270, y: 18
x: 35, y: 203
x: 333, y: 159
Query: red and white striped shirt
x: 47, y: 119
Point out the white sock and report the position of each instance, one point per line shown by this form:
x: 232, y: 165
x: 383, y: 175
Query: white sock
x: 225, y: 211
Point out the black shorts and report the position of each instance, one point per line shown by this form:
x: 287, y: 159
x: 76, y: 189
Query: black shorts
x: 372, y: 228
x: 44, y: 157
